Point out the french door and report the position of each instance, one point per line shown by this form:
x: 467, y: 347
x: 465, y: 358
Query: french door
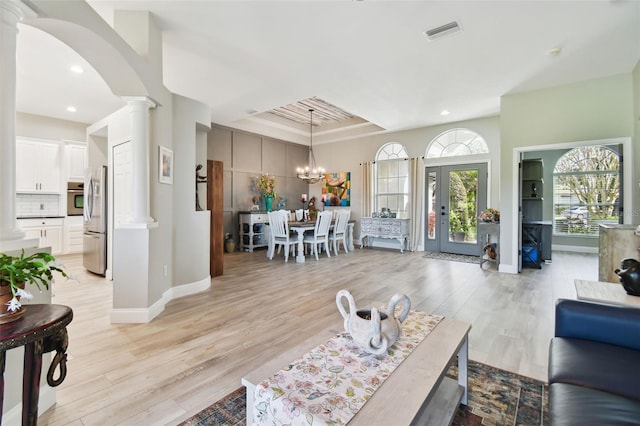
x: 455, y: 196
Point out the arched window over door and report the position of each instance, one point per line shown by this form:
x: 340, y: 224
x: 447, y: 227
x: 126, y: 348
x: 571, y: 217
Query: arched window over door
x: 586, y: 191
x: 456, y: 142
x: 392, y: 179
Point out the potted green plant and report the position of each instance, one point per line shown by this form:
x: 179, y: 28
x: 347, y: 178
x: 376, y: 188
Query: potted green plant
x: 16, y: 271
x: 456, y: 226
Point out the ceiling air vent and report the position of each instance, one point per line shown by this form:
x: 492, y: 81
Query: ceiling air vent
x: 443, y: 30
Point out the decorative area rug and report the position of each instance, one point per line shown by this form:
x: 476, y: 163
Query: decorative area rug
x: 451, y: 256
x: 496, y: 397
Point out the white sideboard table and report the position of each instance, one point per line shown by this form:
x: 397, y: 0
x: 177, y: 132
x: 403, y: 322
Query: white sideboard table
x: 383, y: 227
x: 252, y: 229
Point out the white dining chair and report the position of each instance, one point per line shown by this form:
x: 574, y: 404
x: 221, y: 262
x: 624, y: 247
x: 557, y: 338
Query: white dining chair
x: 299, y: 214
x: 279, y: 226
x: 320, y: 234
x: 339, y: 232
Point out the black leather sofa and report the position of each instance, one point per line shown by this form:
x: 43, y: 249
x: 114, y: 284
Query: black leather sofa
x: 594, y: 365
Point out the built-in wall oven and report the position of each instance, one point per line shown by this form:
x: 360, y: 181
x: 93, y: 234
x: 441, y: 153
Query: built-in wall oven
x: 75, y: 198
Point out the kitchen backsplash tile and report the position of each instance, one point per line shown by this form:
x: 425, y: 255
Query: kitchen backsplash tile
x: 37, y: 205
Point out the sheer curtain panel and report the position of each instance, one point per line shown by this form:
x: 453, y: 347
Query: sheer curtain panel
x: 416, y: 187
x: 366, y: 172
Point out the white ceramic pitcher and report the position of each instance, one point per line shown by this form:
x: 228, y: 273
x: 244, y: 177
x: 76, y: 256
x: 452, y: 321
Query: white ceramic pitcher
x: 374, y: 330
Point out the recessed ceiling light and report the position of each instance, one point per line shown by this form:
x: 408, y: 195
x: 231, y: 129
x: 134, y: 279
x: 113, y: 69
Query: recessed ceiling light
x: 71, y: 108
x: 555, y: 51
x: 77, y: 69
x: 445, y: 112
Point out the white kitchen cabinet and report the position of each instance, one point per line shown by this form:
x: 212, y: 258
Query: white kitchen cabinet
x: 47, y: 230
x: 72, y: 236
x: 37, y: 167
x: 76, y: 160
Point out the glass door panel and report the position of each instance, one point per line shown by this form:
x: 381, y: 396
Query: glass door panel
x: 454, y: 197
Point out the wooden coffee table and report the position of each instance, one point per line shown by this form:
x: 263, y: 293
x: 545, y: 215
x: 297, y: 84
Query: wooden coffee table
x: 604, y: 292
x: 416, y: 392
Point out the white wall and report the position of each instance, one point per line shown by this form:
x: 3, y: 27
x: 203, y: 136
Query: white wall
x: 191, y: 227
x: 590, y: 110
x: 47, y: 128
x: 161, y: 201
x: 635, y: 214
x: 347, y: 155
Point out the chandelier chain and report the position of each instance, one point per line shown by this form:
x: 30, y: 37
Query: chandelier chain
x: 311, y: 173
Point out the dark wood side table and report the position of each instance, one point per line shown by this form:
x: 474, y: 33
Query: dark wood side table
x: 41, y: 329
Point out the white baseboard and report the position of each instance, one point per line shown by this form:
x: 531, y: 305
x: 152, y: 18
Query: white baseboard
x: 387, y: 243
x: 188, y: 289
x: 509, y: 269
x: 137, y: 316
x: 46, y: 400
x: 130, y: 316
x: 575, y: 249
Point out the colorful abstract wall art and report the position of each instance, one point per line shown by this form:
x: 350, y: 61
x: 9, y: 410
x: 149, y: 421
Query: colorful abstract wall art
x: 337, y: 189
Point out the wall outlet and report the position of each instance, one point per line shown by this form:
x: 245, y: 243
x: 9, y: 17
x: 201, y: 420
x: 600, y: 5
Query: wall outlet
x: 165, y: 270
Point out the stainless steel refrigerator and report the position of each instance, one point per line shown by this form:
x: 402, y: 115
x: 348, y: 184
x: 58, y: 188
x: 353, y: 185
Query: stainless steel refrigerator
x: 94, y: 257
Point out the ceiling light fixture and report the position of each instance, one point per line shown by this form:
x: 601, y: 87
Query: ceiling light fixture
x: 76, y: 69
x: 311, y: 173
x: 71, y: 108
x: 555, y: 51
x: 445, y: 112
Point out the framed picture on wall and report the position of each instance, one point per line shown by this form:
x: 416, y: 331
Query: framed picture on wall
x: 165, y: 165
x: 337, y: 189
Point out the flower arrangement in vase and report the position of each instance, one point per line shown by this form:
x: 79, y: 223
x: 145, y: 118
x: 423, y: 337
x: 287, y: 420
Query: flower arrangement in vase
x: 267, y: 186
x: 490, y: 216
x: 16, y: 271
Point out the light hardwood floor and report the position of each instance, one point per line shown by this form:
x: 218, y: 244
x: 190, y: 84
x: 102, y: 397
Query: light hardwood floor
x: 197, y: 350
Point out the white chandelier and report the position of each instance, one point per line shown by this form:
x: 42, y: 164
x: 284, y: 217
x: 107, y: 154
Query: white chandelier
x: 311, y: 173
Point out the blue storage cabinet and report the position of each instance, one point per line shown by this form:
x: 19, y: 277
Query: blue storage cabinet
x: 531, y: 245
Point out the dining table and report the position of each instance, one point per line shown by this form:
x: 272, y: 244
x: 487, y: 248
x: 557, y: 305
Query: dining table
x: 300, y: 227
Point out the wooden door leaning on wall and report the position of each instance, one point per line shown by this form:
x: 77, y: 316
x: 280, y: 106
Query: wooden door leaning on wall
x: 214, y: 205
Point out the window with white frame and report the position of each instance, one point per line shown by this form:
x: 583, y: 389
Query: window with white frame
x: 586, y: 191
x: 392, y: 179
x: 456, y: 142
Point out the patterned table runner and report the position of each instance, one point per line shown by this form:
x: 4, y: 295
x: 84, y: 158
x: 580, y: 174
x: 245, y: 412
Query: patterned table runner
x: 329, y: 384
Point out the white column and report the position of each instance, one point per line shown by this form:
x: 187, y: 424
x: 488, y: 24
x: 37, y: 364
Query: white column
x: 140, y: 202
x: 11, y: 12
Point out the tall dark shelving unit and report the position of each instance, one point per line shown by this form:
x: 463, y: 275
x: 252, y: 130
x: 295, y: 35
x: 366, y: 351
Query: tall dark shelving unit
x: 531, y: 202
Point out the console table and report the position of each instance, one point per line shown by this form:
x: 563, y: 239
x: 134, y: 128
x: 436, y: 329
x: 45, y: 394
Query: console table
x: 41, y: 329
x: 251, y: 231
x: 383, y: 227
